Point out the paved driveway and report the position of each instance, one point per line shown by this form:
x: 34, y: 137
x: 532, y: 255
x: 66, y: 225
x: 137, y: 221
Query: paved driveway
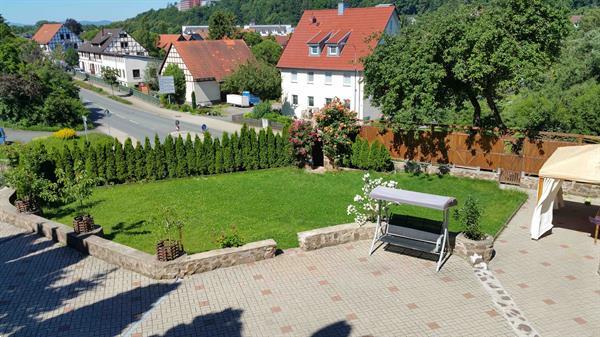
x: 49, y: 290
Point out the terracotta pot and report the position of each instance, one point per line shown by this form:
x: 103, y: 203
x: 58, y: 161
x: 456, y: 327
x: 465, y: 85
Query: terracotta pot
x: 168, y: 250
x: 83, y: 224
x: 467, y: 248
x: 27, y: 206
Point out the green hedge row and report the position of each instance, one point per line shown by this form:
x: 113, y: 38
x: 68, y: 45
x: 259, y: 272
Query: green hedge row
x: 178, y: 157
x: 371, y: 156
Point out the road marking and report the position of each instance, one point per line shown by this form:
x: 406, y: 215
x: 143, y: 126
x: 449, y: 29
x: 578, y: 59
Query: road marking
x: 134, y: 122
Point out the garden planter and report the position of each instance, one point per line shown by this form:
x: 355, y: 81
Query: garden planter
x: 168, y: 250
x: 83, y: 224
x: 27, y: 206
x: 466, y: 248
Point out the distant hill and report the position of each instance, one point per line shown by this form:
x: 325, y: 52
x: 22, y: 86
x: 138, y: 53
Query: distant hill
x: 96, y: 23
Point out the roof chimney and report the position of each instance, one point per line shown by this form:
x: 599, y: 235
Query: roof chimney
x: 341, y: 8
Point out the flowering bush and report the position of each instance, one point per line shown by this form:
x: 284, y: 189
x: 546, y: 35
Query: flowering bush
x: 302, y: 137
x: 364, y: 208
x: 337, y: 125
x: 65, y: 133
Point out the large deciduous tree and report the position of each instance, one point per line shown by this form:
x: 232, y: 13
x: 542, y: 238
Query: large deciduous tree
x: 221, y: 24
x: 179, y: 79
x: 259, y: 78
x: 267, y: 51
x: 74, y: 26
x: 465, y: 53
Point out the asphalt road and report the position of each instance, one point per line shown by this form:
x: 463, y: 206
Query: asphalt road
x: 131, y: 121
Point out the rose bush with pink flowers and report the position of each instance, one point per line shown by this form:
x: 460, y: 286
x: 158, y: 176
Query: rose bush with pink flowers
x: 337, y: 126
x: 302, y: 136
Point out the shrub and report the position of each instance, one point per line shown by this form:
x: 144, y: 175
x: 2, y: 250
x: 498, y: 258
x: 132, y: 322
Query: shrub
x: 261, y: 109
x: 64, y: 134
x: 364, y: 208
x: 371, y: 157
x: 229, y: 239
x: 337, y: 125
x: 76, y: 189
x: 302, y: 137
x: 469, y: 216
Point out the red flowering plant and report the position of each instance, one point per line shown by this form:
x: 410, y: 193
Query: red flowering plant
x: 337, y: 126
x: 302, y: 136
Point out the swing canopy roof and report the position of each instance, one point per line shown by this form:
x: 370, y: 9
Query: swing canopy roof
x: 574, y: 163
x: 412, y: 198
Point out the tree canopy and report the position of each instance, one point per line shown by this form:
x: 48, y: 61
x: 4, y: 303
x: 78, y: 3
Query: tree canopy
x: 261, y: 79
x: 221, y: 24
x: 179, y: 79
x: 464, y: 53
x: 267, y: 51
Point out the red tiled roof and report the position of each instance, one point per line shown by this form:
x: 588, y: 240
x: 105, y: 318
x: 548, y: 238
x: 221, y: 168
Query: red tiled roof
x: 46, y: 32
x: 165, y: 40
x: 213, y: 59
x: 282, y: 40
x: 320, y: 37
x: 338, y: 36
x: 362, y: 23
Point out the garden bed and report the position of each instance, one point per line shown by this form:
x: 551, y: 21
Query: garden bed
x: 275, y: 203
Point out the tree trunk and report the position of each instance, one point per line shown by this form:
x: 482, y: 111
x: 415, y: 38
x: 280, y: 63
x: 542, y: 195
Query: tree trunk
x: 492, y: 104
x: 476, y: 108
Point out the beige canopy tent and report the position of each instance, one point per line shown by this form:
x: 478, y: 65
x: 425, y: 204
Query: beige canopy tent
x: 573, y: 163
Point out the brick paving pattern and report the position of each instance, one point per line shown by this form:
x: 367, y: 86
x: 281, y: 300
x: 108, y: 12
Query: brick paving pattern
x: 50, y: 290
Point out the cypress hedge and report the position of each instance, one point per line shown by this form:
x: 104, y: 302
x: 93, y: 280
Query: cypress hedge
x: 371, y: 156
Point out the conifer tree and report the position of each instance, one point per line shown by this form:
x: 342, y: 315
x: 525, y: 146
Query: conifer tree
x: 68, y: 162
x: 159, y: 155
x: 170, y: 157
x: 209, y: 154
x: 286, y: 148
x: 120, y: 164
x: 77, y: 154
x: 271, y: 154
x: 246, y: 148
x: 365, y: 153
x: 243, y: 147
x: 263, y: 154
x: 190, y: 155
x: 91, y: 163
x: 100, y: 162
x: 181, y: 157
x: 254, y: 153
x: 149, y: 160
x: 140, y: 162
x: 110, y: 172
x: 278, y: 151
x: 227, y: 155
x: 356, y: 148
x: 236, y: 152
x: 218, y: 156
x: 198, y: 156
x: 129, y: 152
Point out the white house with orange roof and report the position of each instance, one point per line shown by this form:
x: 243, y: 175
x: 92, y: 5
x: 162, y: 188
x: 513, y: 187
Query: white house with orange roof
x: 50, y: 35
x: 322, y: 59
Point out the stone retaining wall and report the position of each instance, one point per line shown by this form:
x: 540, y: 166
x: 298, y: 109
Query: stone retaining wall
x: 130, y: 258
x: 334, y: 235
x: 569, y: 187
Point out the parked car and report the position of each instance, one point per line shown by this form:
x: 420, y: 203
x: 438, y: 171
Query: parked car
x: 2, y: 136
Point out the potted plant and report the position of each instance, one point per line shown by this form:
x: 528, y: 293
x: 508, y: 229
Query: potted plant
x: 472, y: 243
x: 169, y: 243
x: 29, y: 180
x: 78, y: 187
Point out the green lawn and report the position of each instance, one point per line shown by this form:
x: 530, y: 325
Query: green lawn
x: 275, y: 203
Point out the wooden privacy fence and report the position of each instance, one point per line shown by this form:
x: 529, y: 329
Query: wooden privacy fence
x: 475, y: 150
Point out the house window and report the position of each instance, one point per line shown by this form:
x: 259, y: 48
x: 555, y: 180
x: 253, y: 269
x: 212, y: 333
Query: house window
x: 122, y: 35
x: 294, y: 99
x: 62, y: 36
x: 346, y: 80
x: 311, y: 77
x: 294, y: 76
x: 333, y: 51
x: 311, y: 101
x: 124, y: 44
x: 328, y: 101
x: 68, y: 36
x: 136, y: 73
x: 314, y: 50
x: 328, y: 78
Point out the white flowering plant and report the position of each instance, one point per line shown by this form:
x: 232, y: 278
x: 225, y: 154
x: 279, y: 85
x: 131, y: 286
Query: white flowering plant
x: 365, y: 209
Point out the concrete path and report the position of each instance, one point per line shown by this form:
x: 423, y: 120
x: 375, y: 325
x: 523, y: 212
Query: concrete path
x: 49, y: 290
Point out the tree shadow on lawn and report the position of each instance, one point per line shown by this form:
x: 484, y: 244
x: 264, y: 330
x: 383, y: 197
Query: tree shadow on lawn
x: 124, y: 229
x: 38, y: 281
x: 58, y: 211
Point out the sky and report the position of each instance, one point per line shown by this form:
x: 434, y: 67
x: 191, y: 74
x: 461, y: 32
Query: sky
x: 31, y: 11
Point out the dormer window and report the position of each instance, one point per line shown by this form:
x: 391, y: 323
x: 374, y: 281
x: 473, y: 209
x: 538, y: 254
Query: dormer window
x: 314, y: 50
x: 333, y: 50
